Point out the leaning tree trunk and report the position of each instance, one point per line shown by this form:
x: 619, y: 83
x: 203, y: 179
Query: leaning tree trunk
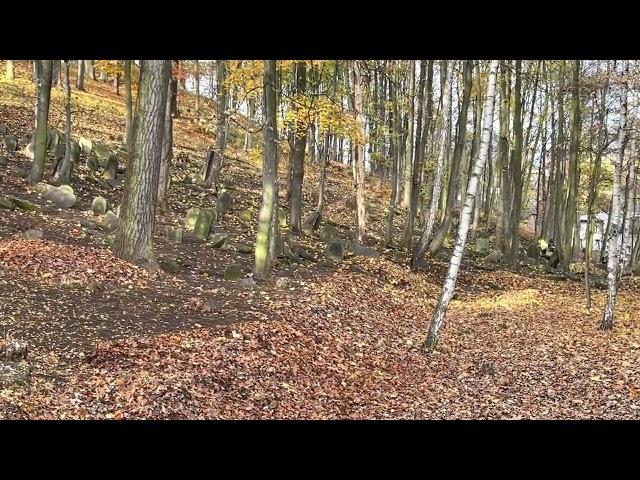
x: 358, y: 169
x: 167, y: 155
x: 9, y: 73
x: 465, y: 216
x: 128, y: 102
x: 216, y: 159
x: 62, y: 170
x: 421, y: 246
x: 45, y: 70
x: 615, y: 229
x: 80, y: 77
x: 269, y: 174
x: 297, y: 171
x: 134, y: 238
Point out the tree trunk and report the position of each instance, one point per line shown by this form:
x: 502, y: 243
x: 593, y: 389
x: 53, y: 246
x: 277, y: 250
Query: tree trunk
x: 570, y: 220
x: 62, y: 170
x: 358, y: 167
x: 45, y: 70
x: 164, y: 180
x: 198, y: 89
x: 269, y: 174
x: 215, y: 166
x: 465, y: 216
x: 421, y: 246
x: 134, y: 237
x: 503, y: 160
x: 80, y: 77
x: 630, y: 202
x: 513, y: 241
x: 116, y: 83
x: 439, y: 236
x: 89, y: 70
x: 297, y: 172
x: 615, y: 232
x: 408, y: 170
x: 128, y: 102
x: 422, y: 130
x: 9, y: 73
x: 175, y: 113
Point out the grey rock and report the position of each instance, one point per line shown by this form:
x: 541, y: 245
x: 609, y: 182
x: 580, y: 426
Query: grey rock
x: 6, y: 204
x: 85, y: 145
x: 334, y: 251
x: 175, y: 234
x: 169, y: 266
x: 248, y: 282
x: 111, y: 168
x: 191, y: 219
x: 110, y: 221
x: 24, y: 204
x: 99, y: 205
x: 232, y: 272
x: 282, y: 282
x: 224, y: 203
x: 33, y: 234
x: 482, y: 245
x: 243, y: 247
x: 218, y: 240
x: 62, y: 196
x: 363, y: 251
x: 328, y: 233
x: 203, y: 224
x: 495, y: 256
x: 10, y: 143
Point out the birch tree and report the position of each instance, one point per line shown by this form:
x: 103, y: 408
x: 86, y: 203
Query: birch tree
x: 465, y: 216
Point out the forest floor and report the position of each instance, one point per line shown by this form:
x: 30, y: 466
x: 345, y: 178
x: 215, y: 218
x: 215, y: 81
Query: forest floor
x: 108, y: 340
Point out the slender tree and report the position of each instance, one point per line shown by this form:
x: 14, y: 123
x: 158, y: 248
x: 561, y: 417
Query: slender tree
x: 358, y: 167
x: 80, y: 77
x: 63, y: 168
x: 297, y: 171
x: 9, y: 75
x: 45, y: 70
x: 269, y: 174
x: 134, y: 237
x: 166, y: 156
x: 615, y: 227
x: 128, y: 102
x: 465, y: 216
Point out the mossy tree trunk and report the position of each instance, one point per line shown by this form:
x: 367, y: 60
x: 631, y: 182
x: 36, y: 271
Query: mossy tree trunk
x: 264, y: 240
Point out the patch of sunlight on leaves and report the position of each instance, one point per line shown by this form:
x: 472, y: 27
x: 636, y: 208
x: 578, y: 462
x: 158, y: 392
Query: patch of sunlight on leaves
x: 511, y: 300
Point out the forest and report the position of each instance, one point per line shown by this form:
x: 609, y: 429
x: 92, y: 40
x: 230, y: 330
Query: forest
x: 319, y: 239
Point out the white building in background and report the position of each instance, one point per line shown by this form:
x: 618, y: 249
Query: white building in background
x: 600, y: 224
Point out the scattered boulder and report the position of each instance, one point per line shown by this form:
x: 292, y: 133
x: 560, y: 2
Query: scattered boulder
x: 85, y: 145
x: 218, y: 240
x: 30, y: 149
x: 101, y: 150
x: 6, y: 203
x: 10, y: 143
x: 232, y: 273
x: 203, y: 224
x: 169, y: 266
x: 483, y: 246
x: 533, y: 251
x: 24, y: 204
x: 33, y: 234
x: 225, y: 203
x: 59, y: 151
x: 363, y: 251
x: 53, y: 139
x: 111, y: 168
x: 92, y: 162
x: 334, y: 251
x: 110, y: 221
x: 175, y: 234
x: 62, y: 196
x: 245, y: 215
x: 302, y: 253
x: 248, y: 282
x: 307, y: 229
x: 282, y: 217
x: 282, y: 282
x: 328, y: 233
x: 191, y: 219
x: 313, y: 219
x: 243, y: 247
x: 99, y: 206
x: 495, y: 256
